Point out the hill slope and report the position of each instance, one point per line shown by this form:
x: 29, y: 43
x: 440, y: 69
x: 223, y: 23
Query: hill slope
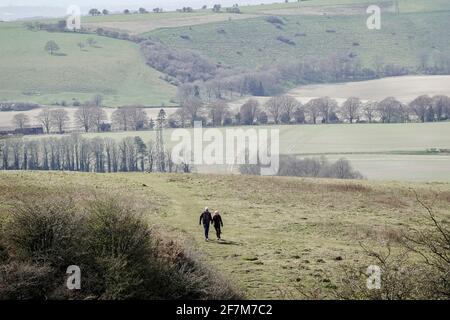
x: 117, y: 70
x: 113, y: 68
x: 278, y: 231
x: 255, y: 42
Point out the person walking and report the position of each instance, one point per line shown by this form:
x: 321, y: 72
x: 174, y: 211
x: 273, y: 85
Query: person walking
x: 207, y: 220
x: 218, y: 223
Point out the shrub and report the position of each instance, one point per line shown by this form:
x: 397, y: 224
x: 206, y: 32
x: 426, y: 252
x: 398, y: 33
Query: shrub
x: 43, y: 232
x: 308, y: 167
x: 21, y: 280
x: 286, y: 40
x: 418, y: 269
x: 400, y: 279
x: 274, y: 20
x: 119, y: 250
x: 119, y: 256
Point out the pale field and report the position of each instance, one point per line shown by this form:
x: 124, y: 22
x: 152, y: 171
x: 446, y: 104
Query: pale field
x: 405, y: 89
x: 147, y: 22
x: 141, y: 23
x: 340, y: 9
x: 400, y: 167
x: 378, y: 151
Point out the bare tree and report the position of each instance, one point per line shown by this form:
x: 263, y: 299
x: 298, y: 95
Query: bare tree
x: 441, y: 107
x: 350, y: 109
x: 326, y: 106
x: 289, y: 104
x: 369, y: 110
x: 120, y: 119
x: 218, y: 110
x: 99, y: 117
x: 249, y: 111
x: 21, y: 120
x: 312, y: 110
x: 151, y: 155
x: 138, y: 117
x: 59, y: 119
x: 44, y: 117
x: 299, y: 114
x: 192, y: 107
x: 420, y: 105
x: 391, y: 110
x: 84, y: 116
x: 274, y: 107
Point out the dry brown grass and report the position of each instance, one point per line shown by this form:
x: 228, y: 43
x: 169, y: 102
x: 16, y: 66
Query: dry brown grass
x: 277, y: 229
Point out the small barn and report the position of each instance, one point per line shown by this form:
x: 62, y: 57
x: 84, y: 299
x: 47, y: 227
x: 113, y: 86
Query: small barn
x: 28, y: 130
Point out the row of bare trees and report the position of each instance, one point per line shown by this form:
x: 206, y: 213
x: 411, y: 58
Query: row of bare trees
x: 75, y: 153
x: 286, y: 109
x: 88, y: 118
x: 279, y: 109
x: 49, y: 119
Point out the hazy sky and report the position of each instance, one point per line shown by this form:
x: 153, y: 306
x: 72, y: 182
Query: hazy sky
x: 18, y: 9
x: 169, y: 4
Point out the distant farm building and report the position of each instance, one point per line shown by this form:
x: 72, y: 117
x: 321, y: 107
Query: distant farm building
x: 29, y: 130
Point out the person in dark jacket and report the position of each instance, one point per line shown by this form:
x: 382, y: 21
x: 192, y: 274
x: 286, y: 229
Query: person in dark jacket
x: 206, y: 219
x: 218, y: 224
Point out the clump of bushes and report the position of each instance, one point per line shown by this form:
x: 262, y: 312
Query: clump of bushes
x: 120, y: 257
x: 415, y: 266
x: 308, y: 167
x: 19, y: 106
x: 274, y: 20
x: 286, y: 40
x: 185, y: 66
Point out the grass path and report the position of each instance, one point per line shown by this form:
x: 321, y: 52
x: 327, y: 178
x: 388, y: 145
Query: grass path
x: 279, y: 232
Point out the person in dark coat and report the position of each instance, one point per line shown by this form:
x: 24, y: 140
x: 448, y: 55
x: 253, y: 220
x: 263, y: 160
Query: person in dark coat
x: 207, y: 220
x: 218, y: 224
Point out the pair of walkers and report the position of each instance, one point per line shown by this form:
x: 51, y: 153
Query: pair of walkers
x: 207, y: 219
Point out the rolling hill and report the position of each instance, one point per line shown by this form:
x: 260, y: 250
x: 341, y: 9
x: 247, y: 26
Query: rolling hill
x: 113, y: 68
x: 116, y: 69
x: 255, y: 42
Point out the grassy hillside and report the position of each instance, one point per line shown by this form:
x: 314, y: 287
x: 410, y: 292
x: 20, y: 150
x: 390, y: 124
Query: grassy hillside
x: 117, y: 70
x: 113, y: 68
x: 139, y: 23
x: 253, y: 42
x: 279, y: 232
x: 404, y: 5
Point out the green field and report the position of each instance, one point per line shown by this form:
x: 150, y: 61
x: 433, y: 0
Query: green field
x: 279, y: 232
x: 253, y: 42
x: 114, y: 68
